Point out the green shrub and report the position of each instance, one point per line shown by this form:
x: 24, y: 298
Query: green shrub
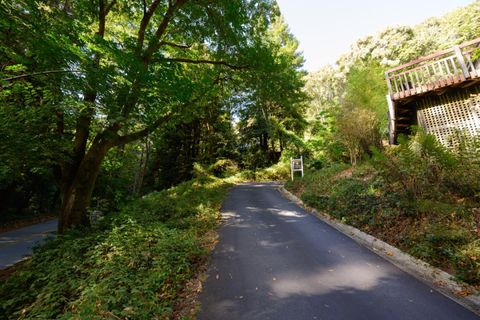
x: 417, y: 196
x: 468, y: 266
x: 421, y: 168
x: 317, y: 164
x: 223, y: 168
x: 277, y: 172
x: 133, y: 264
x: 247, y: 175
x: 318, y: 201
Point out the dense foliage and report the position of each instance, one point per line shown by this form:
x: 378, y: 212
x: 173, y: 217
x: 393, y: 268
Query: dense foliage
x: 131, y: 94
x: 348, y: 113
x: 134, y: 264
x: 104, y: 101
x: 418, y: 196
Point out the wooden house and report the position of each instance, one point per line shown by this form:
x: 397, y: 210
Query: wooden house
x: 439, y: 93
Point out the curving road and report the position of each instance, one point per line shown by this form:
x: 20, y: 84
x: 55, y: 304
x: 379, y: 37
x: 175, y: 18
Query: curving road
x: 276, y: 261
x: 17, y: 244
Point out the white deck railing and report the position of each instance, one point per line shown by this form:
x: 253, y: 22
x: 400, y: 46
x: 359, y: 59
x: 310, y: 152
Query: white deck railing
x: 435, y: 71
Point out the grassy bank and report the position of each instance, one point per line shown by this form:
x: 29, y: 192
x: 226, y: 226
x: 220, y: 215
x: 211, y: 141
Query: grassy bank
x: 136, y: 264
x: 277, y: 172
x: 417, y: 196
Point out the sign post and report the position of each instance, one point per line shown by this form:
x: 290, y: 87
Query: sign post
x: 296, y: 165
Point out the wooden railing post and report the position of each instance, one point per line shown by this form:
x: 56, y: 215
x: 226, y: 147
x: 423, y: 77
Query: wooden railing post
x: 461, y: 61
x: 391, y: 120
x: 389, y: 84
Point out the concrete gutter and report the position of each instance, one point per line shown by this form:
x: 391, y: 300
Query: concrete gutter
x: 438, y: 279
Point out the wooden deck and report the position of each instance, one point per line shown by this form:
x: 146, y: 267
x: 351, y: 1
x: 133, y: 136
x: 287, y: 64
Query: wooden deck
x: 434, y: 72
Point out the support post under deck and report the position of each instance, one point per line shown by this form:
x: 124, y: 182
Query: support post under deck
x: 391, y: 120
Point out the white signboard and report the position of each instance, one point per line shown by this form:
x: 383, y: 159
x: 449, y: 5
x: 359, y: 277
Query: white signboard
x: 296, y: 165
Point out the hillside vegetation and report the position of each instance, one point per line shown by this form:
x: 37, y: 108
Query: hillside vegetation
x: 348, y: 109
x: 133, y: 264
x: 419, y: 195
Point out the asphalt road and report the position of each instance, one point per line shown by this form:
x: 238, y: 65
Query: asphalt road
x: 16, y: 244
x: 276, y: 261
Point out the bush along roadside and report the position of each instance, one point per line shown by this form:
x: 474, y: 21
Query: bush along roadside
x: 276, y: 172
x: 135, y: 264
x: 417, y: 196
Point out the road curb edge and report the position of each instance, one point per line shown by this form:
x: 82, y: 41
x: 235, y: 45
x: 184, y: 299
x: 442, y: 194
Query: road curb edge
x: 440, y: 280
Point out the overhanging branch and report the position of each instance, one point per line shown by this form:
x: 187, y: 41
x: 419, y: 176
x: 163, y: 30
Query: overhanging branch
x: 143, y: 132
x: 109, y: 6
x: 162, y: 28
x: 160, y: 121
x: 147, y: 15
x: 40, y: 73
x: 206, y: 61
x: 175, y: 45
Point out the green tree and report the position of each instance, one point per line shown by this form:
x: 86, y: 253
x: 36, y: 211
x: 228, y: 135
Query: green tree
x: 325, y: 89
x: 271, y: 106
x: 121, y: 69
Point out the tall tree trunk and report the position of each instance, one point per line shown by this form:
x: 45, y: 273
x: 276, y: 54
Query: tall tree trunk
x: 78, y: 176
x: 140, y: 175
x: 77, y: 192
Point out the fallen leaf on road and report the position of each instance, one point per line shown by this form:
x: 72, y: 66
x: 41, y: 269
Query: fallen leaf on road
x: 389, y: 253
x: 440, y: 283
x: 463, y: 293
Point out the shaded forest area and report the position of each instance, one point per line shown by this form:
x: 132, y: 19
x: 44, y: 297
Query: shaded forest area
x: 105, y: 101
x: 124, y: 118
